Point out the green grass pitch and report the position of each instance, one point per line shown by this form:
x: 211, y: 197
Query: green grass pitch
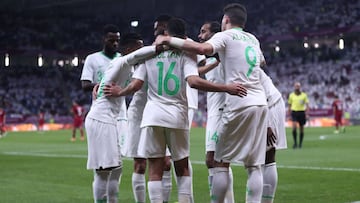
x: 47, y: 167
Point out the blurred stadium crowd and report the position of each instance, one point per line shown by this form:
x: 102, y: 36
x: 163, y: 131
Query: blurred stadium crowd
x: 62, y: 30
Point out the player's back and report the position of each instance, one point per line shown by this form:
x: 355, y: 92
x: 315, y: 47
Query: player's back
x: 240, y: 56
x: 167, y: 102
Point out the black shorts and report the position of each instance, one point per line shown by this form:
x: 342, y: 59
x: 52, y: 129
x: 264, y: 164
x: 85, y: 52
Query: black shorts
x: 298, y: 116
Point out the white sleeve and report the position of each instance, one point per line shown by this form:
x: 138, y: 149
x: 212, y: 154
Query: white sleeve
x: 217, y: 42
x: 87, y: 71
x: 140, y: 54
x: 140, y: 72
x: 190, y: 67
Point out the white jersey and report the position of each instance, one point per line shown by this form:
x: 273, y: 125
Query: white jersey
x: 272, y: 93
x: 107, y: 109
x: 95, y: 66
x: 215, y: 100
x: 240, y: 55
x: 166, y: 75
x: 192, y: 93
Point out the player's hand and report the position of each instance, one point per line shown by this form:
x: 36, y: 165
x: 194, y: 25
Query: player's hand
x: 112, y: 90
x: 271, y: 138
x: 162, y: 39
x: 94, y: 92
x: 236, y: 89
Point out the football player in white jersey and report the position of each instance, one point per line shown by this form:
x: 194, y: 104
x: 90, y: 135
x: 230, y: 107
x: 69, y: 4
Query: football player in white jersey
x: 242, y: 131
x: 276, y: 136
x: 96, y: 64
x: 165, y: 120
x: 104, y: 153
x: 215, y: 105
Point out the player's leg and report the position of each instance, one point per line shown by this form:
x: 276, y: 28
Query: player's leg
x: 113, y: 184
x: 220, y: 182
x: 99, y: 185
x: 294, y: 126
x: 138, y: 180
x: 82, y: 137
x: 166, y: 179
x: 155, y: 177
x: 73, y: 136
x: 153, y: 146
x: 270, y: 177
x: 178, y: 142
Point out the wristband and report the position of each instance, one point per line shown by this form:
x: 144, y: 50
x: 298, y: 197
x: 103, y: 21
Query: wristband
x: 176, y: 42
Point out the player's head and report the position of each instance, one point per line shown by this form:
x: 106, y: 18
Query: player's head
x: 130, y: 42
x: 111, y: 37
x: 336, y: 97
x: 208, y: 29
x: 235, y: 14
x: 75, y: 103
x: 160, y: 24
x: 176, y: 28
x: 297, y: 86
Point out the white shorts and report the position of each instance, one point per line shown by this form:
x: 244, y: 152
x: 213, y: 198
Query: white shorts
x: 276, y: 121
x: 122, y: 127
x: 135, y: 114
x: 212, y: 134
x: 242, y: 136
x: 103, y: 144
x: 154, y: 140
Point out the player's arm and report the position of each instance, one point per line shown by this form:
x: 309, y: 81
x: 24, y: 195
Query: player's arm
x: 206, y: 68
x: 289, y: 106
x: 196, y: 82
x: 144, y: 53
x: 134, y: 86
x: 187, y: 45
x: 87, y: 85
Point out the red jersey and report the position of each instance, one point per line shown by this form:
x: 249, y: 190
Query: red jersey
x: 337, y: 106
x: 2, y: 117
x: 78, y: 111
x: 41, y: 118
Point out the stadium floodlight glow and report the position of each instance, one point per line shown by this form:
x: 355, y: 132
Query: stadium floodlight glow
x: 7, y: 60
x: 277, y: 48
x: 134, y: 23
x: 40, y: 61
x: 61, y: 63
x: 75, y: 61
x: 341, y: 44
x: 316, y: 45
x: 306, y: 45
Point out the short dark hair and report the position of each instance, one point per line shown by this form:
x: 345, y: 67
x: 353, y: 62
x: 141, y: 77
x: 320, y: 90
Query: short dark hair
x: 176, y: 27
x: 214, y: 26
x: 110, y: 28
x: 129, y: 38
x: 237, y: 14
x: 163, y: 18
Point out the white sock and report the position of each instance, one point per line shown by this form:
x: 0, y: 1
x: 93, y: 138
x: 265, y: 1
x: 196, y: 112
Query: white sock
x: 139, y: 187
x: 191, y: 176
x: 155, y: 191
x: 113, y: 185
x: 99, y: 185
x: 229, y: 196
x: 210, y: 178
x: 220, y: 183
x: 166, y: 185
x: 254, y: 185
x: 270, y: 178
x: 184, y: 189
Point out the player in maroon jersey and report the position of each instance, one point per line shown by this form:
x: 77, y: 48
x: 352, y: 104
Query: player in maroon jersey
x: 337, y: 107
x: 41, y: 120
x: 78, y: 113
x: 2, y: 122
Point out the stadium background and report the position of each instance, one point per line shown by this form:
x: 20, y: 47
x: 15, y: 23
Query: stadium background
x: 47, y: 167
x: 314, y: 42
